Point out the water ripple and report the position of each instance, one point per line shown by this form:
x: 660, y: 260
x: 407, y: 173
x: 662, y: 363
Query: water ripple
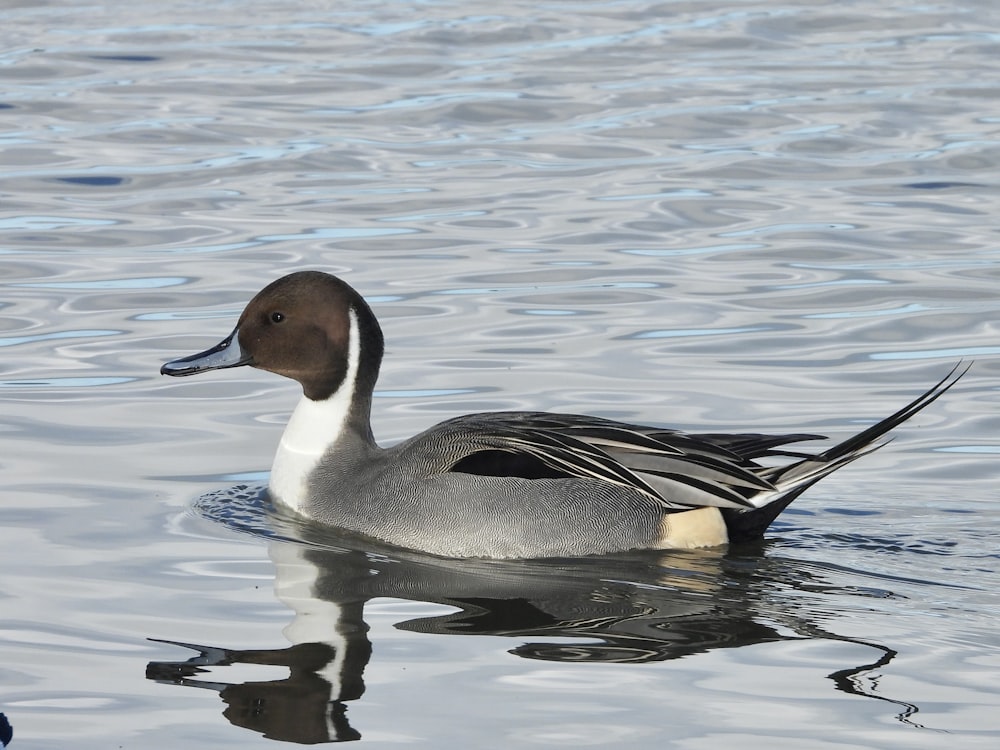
x: 768, y: 216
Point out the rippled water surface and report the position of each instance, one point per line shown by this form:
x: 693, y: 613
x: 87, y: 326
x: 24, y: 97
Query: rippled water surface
x: 723, y: 215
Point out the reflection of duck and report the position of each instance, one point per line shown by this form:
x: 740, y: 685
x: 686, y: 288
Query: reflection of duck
x: 500, y: 484
x: 635, y: 608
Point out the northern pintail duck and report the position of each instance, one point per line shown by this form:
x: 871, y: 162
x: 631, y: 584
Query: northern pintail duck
x: 500, y: 484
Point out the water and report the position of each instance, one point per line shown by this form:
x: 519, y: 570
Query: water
x: 715, y: 215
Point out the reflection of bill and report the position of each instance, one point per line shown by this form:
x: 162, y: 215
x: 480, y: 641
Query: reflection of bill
x: 6, y: 731
x: 629, y: 609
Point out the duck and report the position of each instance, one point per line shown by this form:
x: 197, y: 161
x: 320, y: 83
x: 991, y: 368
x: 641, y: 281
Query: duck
x: 503, y: 484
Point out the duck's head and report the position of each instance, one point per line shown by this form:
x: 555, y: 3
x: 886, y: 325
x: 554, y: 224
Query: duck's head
x: 308, y: 326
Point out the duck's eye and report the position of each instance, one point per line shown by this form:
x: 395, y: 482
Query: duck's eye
x: 277, y: 317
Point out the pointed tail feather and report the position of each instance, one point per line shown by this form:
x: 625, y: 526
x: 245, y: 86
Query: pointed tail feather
x: 794, y: 479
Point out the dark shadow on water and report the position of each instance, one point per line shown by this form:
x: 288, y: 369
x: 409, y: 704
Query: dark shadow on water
x: 93, y: 180
x: 6, y: 731
x: 634, y: 608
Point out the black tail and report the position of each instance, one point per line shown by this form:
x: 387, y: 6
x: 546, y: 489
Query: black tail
x: 794, y: 479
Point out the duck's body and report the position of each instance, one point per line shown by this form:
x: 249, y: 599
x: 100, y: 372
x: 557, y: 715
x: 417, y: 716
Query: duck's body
x: 499, y: 484
x: 446, y: 491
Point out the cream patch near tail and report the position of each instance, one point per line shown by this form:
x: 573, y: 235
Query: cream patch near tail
x: 691, y: 529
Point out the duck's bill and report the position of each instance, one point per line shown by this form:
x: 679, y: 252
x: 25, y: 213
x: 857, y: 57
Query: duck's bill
x: 227, y: 353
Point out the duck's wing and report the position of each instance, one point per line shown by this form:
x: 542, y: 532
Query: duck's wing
x: 676, y: 470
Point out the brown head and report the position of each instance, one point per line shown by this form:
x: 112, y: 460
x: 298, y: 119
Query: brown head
x: 299, y: 326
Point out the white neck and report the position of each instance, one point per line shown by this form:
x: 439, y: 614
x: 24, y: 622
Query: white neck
x: 313, y: 428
